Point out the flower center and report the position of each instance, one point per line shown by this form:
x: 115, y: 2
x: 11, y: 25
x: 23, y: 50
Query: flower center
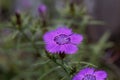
x: 62, y: 39
x: 89, y: 77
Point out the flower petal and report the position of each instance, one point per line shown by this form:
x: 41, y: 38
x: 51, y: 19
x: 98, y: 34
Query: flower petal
x: 77, y: 77
x: 49, y: 37
x: 81, y: 74
x: 52, y: 48
x: 63, y: 30
x: 87, y: 71
x: 100, y: 74
x: 70, y: 48
x: 76, y: 38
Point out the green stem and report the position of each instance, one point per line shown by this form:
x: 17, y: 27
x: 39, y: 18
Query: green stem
x: 63, y: 67
x: 59, y: 64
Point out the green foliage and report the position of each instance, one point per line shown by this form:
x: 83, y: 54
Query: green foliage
x: 23, y: 56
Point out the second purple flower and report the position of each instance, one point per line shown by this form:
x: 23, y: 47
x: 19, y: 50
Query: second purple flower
x: 62, y: 40
x: 90, y: 74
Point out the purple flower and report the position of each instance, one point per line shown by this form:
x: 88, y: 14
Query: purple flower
x: 42, y: 9
x: 90, y: 74
x: 62, y: 40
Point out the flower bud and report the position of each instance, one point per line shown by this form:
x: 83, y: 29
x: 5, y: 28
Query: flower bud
x: 18, y: 17
x: 42, y: 9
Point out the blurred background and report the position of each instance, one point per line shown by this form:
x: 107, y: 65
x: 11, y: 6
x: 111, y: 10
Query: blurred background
x: 22, y: 25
